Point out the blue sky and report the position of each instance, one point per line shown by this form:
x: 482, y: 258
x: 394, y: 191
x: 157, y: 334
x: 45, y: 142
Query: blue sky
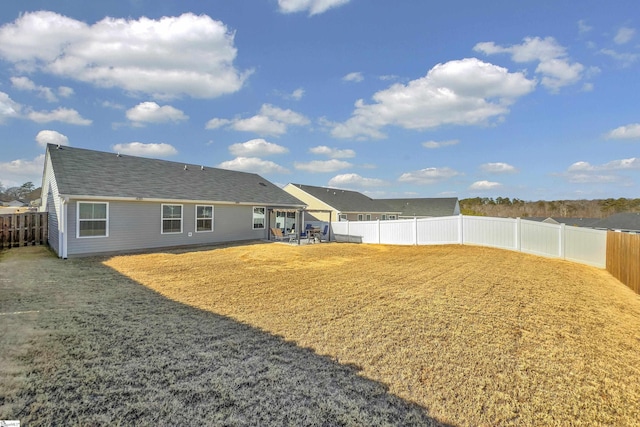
x: 537, y: 100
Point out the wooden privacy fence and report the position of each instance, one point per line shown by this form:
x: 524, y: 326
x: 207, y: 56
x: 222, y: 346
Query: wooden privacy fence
x: 623, y: 258
x: 23, y: 229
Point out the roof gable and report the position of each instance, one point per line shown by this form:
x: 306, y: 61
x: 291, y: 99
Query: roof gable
x: 82, y: 172
x: 344, y: 200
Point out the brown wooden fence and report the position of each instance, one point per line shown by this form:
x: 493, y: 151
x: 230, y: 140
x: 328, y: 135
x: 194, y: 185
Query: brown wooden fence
x: 623, y: 258
x: 23, y: 229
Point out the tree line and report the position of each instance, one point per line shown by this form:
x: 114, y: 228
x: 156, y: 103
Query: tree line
x: 506, y: 207
x: 26, y: 192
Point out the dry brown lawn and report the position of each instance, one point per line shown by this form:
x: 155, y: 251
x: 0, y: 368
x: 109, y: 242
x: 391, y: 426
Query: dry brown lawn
x: 477, y: 336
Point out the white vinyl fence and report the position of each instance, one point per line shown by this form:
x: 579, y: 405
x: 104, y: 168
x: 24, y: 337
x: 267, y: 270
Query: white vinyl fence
x: 577, y: 244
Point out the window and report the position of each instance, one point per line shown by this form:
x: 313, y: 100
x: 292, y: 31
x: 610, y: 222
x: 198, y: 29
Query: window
x: 360, y: 217
x: 258, y: 218
x: 171, y: 219
x: 392, y: 217
x: 204, y: 218
x: 384, y: 217
x: 342, y: 217
x: 368, y: 217
x: 93, y: 219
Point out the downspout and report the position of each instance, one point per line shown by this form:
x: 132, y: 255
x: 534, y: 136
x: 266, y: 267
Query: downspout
x: 63, y: 240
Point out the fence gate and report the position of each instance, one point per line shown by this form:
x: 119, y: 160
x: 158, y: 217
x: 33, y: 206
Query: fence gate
x: 23, y: 229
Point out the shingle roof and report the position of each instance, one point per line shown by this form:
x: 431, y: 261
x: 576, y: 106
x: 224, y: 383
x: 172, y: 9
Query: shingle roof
x: 82, y: 172
x: 345, y: 200
x: 621, y: 221
x: 443, y: 206
x: 574, y: 222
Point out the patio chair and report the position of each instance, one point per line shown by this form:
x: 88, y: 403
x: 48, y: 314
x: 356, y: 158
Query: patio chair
x: 324, y: 232
x: 279, y: 236
x: 306, y: 231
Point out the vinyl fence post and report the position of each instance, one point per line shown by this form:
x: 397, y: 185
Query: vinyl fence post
x: 561, y: 239
x: 518, y: 234
x: 348, y: 233
x: 460, y: 229
x: 415, y: 230
x: 378, y: 220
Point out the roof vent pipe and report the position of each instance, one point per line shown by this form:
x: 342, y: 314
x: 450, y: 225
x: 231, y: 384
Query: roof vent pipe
x: 185, y: 167
x: 201, y: 168
x: 58, y: 147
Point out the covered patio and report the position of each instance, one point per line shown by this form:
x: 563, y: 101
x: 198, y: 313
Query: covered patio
x: 297, y: 226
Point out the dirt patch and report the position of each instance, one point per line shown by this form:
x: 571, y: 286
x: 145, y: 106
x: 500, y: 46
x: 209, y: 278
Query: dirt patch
x: 477, y: 336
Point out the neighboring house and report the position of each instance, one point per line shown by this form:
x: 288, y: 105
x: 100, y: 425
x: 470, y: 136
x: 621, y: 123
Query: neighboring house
x: 17, y: 204
x: 629, y: 222
x: 333, y: 204
x: 102, y: 202
x: 574, y: 222
x: 424, y: 207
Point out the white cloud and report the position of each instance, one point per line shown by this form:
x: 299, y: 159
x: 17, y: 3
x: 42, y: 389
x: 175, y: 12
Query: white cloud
x: 349, y: 180
x: 333, y: 153
x: 632, y: 163
x: 428, y: 175
x: 8, y: 108
x: 631, y: 131
x: 216, y: 123
x: 65, y: 91
x: 583, y: 28
x: 112, y: 105
x: 24, y: 83
x: 64, y: 115
x: 145, y: 150
x: 625, y: 59
x: 439, y: 144
x: 270, y: 120
x: 256, y: 147
x: 17, y: 172
x: 186, y: 55
x: 624, y: 35
x: 314, y: 7
x: 151, y: 112
x: 45, y: 137
x: 463, y: 92
x: 553, y: 64
x: 297, y: 94
x: 484, y: 185
x: 253, y: 164
x: 498, y: 168
x: 261, y: 125
x: 353, y: 77
x: 322, y: 166
x: 583, y: 178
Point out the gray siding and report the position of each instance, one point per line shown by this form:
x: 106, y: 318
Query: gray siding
x: 137, y: 226
x: 50, y: 201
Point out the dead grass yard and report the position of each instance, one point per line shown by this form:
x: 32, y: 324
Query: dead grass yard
x: 477, y: 336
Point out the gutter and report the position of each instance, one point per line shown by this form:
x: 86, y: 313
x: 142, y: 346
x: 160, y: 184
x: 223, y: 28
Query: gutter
x: 159, y: 200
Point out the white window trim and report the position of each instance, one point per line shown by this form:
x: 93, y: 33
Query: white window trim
x: 368, y: 217
x: 253, y: 224
x: 78, y: 220
x: 212, y: 217
x: 162, y: 218
x: 360, y: 217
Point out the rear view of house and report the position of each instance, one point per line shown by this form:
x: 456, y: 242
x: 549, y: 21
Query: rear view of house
x: 100, y: 202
